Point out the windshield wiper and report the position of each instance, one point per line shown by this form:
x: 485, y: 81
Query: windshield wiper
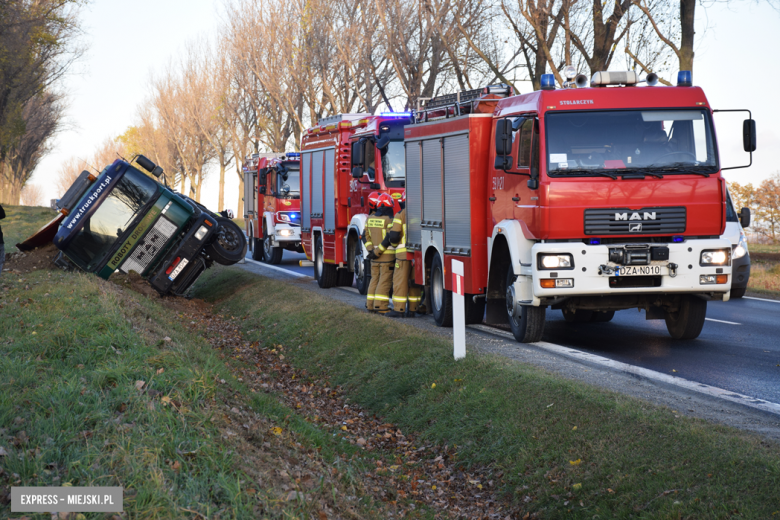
x: 678, y: 169
x: 642, y: 171
x: 596, y: 172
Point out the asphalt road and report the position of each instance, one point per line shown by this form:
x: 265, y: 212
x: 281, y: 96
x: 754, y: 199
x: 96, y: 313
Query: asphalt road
x: 738, y: 350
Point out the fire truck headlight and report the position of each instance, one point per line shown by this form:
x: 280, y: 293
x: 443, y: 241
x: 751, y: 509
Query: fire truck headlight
x: 741, y: 249
x: 201, y: 232
x: 714, y: 257
x: 285, y: 232
x: 556, y: 261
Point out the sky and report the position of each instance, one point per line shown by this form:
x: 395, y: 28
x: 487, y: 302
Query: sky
x: 130, y: 39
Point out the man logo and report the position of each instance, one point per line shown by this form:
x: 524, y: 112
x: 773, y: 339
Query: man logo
x: 646, y: 215
x: 634, y: 228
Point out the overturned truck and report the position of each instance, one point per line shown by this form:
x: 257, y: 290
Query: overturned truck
x: 122, y: 220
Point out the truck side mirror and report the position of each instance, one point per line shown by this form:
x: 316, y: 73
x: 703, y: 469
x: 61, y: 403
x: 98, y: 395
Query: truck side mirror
x: 145, y: 163
x: 383, y: 140
x: 357, y: 172
x: 503, y: 162
x: 262, y: 190
x: 503, y: 136
x: 358, y: 152
x: 744, y: 217
x: 749, y: 135
x: 157, y: 171
x: 533, y: 184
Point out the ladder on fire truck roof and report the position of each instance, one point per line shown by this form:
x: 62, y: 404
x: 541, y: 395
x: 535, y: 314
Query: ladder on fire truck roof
x: 459, y: 103
x: 340, y: 117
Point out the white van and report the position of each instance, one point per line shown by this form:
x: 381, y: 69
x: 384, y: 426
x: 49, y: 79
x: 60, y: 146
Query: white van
x: 740, y: 258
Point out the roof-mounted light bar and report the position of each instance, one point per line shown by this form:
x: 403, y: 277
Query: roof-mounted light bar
x: 684, y: 78
x: 396, y: 114
x: 547, y: 82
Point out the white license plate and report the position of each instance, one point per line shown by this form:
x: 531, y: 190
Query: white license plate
x: 179, y: 269
x: 640, y: 270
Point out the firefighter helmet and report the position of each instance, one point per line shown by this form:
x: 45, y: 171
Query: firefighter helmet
x: 385, y: 201
x: 373, y: 198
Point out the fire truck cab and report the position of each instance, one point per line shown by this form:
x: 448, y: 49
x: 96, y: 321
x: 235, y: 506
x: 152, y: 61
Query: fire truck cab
x: 274, y: 218
x: 588, y: 200
x: 343, y: 159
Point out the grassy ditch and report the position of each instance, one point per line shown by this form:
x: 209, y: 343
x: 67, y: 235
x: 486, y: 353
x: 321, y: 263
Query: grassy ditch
x: 101, y: 386
x: 558, y: 448
x: 20, y: 222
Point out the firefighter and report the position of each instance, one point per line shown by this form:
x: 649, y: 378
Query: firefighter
x: 382, y: 256
x: 404, y: 290
x: 373, y: 197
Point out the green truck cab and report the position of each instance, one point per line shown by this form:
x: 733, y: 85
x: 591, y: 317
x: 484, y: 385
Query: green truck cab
x: 123, y: 220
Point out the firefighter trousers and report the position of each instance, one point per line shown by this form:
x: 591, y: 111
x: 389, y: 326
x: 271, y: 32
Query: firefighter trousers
x: 404, y: 290
x: 378, y: 297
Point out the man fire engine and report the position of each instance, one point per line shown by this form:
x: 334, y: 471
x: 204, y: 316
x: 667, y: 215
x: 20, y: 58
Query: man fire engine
x: 272, y: 201
x: 343, y: 159
x: 588, y: 200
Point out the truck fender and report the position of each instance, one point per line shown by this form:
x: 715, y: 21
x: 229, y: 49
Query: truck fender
x: 520, y: 244
x: 357, y: 225
x: 268, y: 217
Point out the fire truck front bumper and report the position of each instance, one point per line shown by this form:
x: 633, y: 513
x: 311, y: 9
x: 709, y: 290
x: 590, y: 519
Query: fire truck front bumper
x: 692, y: 266
x: 285, y: 233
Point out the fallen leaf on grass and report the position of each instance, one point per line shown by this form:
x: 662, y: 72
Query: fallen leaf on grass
x: 575, y: 462
x: 433, y: 385
x: 610, y: 490
x: 165, y: 400
x: 160, y: 371
x: 276, y: 430
x: 577, y: 486
x: 139, y: 385
x: 176, y: 466
x: 3, y: 453
x: 574, y: 429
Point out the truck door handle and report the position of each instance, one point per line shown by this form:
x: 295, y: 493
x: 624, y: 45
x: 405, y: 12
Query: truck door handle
x: 491, y: 198
x: 516, y: 199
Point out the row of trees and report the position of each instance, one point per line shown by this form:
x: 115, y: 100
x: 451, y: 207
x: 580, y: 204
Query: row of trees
x: 276, y: 67
x: 38, y: 44
x: 764, y: 203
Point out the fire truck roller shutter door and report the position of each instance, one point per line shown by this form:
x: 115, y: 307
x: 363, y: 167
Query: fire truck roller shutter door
x: 316, y: 183
x: 431, y: 175
x: 306, y: 191
x: 413, y: 193
x: 457, y: 200
x: 330, y: 195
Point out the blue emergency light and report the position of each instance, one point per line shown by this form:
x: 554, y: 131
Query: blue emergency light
x: 548, y: 82
x: 684, y: 78
x: 595, y: 241
x: 396, y: 114
x: 678, y: 239
x: 293, y: 155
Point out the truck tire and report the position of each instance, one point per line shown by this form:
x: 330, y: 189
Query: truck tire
x: 257, y: 249
x: 441, y: 299
x: 529, y: 326
x: 578, y: 316
x: 362, y: 270
x: 325, y: 274
x: 688, y: 321
x: 602, y: 316
x: 271, y: 255
x: 229, y: 244
x: 738, y: 293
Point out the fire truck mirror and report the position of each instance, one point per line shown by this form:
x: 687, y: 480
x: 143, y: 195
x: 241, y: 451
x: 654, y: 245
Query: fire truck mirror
x: 358, y: 153
x: 503, y: 136
x: 357, y: 172
x: 503, y: 162
x: 262, y: 190
x: 749, y: 135
x: 383, y: 141
x: 744, y: 217
x: 533, y: 184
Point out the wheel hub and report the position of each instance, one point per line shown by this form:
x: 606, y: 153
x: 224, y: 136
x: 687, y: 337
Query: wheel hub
x: 511, y: 301
x: 437, y: 288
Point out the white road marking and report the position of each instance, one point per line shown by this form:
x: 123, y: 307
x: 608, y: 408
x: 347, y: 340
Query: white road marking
x: 712, y: 391
x: 760, y: 299
x: 723, y: 321
x: 282, y: 269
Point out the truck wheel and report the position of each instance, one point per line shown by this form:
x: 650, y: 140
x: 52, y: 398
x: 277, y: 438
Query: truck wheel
x: 688, y: 321
x: 578, y: 316
x: 257, y: 249
x: 229, y: 245
x: 441, y: 299
x: 325, y: 274
x: 602, y: 316
x: 272, y: 255
x: 529, y: 326
x: 737, y: 293
x: 362, y: 273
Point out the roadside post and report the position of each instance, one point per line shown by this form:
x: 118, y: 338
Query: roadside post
x: 458, y: 310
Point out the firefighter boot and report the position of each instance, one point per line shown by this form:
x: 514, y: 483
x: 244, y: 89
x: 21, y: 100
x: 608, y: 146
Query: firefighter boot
x: 395, y: 314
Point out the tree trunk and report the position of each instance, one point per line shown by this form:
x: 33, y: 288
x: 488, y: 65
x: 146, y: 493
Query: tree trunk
x: 221, y: 202
x: 687, y: 8
x: 240, y: 207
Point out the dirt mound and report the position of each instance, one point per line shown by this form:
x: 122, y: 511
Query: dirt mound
x: 134, y: 282
x: 28, y: 261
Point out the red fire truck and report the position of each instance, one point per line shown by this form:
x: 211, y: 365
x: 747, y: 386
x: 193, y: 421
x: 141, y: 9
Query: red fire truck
x: 343, y: 159
x: 272, y: 205
x: 588, y: 200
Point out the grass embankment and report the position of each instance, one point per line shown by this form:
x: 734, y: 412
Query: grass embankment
x: 764, y: 270
x: 100, y: 386
x: 560, y: 448
x: 20, y: 222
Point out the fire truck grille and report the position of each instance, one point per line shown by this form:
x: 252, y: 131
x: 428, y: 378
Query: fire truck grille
x: 645, y: 221
x: 149, y: 246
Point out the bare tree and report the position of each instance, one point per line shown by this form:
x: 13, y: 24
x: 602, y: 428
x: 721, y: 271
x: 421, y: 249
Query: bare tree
x: 32, y: 195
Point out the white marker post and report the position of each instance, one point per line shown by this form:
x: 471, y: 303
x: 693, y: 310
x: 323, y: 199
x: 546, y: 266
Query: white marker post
x: 458, y: 310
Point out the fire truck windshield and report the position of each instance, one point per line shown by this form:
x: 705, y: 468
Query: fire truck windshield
x: 113, y: 217
x: 393, y: 165
x: 293, y: 181
x: 665, y: 141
